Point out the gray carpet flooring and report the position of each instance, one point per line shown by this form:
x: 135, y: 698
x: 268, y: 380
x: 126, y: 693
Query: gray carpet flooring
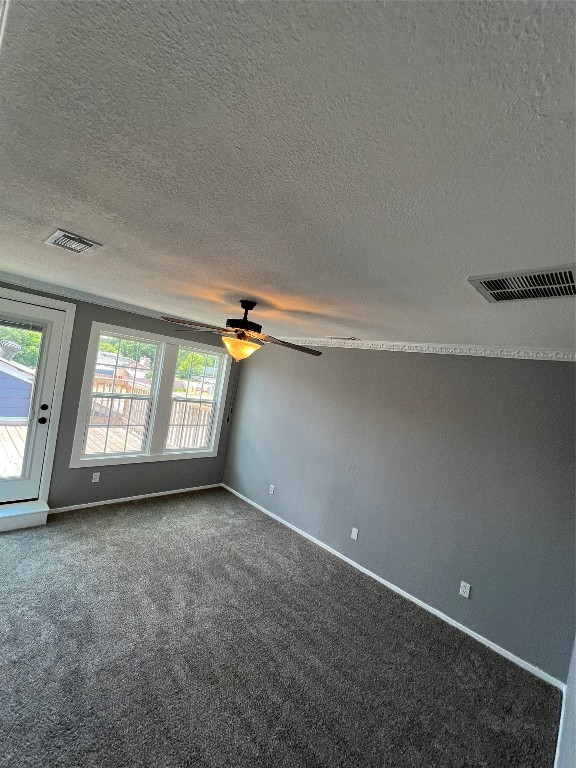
x: 194, y: 631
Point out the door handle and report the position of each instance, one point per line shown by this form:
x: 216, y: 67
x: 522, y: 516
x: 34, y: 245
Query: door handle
x: 42, y: 420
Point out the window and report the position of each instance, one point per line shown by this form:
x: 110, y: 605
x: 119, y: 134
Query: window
x: 148, y: 398
x: 193, y: 404
x: 120, y: 395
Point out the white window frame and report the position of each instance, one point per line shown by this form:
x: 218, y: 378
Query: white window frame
x: 161, y: 399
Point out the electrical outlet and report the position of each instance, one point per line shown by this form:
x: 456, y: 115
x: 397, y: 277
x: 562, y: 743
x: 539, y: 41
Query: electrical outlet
x: 272, y: 490
x: 354, y: 534
x: 95, y: 477
x: 464, y: 589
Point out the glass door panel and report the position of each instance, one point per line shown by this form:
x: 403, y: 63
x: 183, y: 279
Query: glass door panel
x: 30, y: 340
x: 20, y: 346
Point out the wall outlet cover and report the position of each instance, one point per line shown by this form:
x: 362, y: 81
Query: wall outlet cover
x: 272, y: 489
x: 95, y: 477
x: 464, y: 589
x: 354, y: 534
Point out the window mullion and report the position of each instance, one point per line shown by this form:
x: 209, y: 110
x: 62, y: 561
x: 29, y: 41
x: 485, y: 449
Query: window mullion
x: 159, y: 399
x: 161, y: 419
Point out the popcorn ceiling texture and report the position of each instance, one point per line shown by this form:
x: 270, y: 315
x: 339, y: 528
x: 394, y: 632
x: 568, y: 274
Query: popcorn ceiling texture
x: 347, y: 164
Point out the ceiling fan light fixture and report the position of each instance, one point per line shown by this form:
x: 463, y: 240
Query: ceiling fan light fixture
x: 239, y: 348
x: 239, y: 328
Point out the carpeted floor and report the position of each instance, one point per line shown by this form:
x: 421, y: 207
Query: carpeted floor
x: 194, y: 631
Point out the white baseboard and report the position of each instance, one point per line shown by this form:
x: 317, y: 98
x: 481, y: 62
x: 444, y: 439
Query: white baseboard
x: 498, y: 649
x: 502, y: 651
x: 73, y: 507
x: 560, y: 729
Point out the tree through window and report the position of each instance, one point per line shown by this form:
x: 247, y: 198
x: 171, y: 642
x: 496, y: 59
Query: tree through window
x: 148, y: 398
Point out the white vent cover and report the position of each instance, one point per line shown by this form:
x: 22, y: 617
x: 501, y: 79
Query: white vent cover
x: 531, y: 284
x: 70, y: 242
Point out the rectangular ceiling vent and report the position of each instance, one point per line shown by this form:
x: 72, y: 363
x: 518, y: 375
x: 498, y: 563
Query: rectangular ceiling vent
x: 70, y: 242
x: 531, y: 284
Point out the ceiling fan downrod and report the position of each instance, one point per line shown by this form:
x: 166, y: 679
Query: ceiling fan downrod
x: 242, y: 323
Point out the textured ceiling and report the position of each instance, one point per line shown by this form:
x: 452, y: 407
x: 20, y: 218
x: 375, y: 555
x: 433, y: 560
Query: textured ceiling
x: 349, y: 164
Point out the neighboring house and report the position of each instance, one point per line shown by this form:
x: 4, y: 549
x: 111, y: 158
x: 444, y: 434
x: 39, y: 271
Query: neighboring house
x: 16, y: 383
x: 124, y: 376
x: 122, y: 373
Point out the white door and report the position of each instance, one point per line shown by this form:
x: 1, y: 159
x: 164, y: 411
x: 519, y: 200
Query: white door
x: 30, y: 343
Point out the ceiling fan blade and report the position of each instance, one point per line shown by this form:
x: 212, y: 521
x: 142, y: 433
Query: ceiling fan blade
x: 192, y: 325
x: 271, y: 340
x: 238, y: 330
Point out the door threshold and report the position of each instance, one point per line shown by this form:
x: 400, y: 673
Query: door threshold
x: 23, y: 514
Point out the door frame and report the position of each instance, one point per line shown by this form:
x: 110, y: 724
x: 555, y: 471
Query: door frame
x: 23, y: 514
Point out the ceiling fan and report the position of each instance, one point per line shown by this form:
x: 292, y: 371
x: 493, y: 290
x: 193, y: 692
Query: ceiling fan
x: 239, y: 344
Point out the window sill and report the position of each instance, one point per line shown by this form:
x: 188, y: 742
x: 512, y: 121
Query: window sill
x: 140, y: 458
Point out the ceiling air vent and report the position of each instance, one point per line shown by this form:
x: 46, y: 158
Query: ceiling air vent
x: 70, y: 242
x: 531, y: 284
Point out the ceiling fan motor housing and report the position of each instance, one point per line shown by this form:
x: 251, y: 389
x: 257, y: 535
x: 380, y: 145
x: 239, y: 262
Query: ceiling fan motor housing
x: 239, y: 324
x: 241, y: 327
x: 242, y: 323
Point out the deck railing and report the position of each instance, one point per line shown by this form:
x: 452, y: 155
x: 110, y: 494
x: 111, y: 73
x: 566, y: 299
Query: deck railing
x: 190, y: 424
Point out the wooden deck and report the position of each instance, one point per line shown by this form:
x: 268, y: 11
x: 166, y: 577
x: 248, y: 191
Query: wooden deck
x: 117, y: 441
x: 12, y: 442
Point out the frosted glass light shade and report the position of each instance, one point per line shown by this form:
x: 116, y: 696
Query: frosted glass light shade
x: 239, y: 348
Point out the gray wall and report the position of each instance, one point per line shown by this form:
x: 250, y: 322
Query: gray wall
x: 452, y: 467
x: 75, y: 486
x: 567, y: 738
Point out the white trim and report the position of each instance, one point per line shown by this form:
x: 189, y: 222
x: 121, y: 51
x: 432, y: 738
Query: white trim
x: 148, y: 455
x: 66, y: 340
x: 113, y: 459
x: 493, y: 646
x: 160, y: 416
x: 560, y: 729
x: 22, y: 514
x: 3, y: 16
x: 73, y: 507
x: 502, y: 651
x: 32, y: 298
x: 13, y: 421
x: 72, y: 293
x: 69, y: 312
x: 159, y: 338
x: 518, y: 353
x: 17, y: 372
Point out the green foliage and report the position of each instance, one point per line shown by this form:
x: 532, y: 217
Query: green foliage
x: 194, y: 364
x: 134, y: 350
x: 29, y: 342
x: 189, y: 363
x: 106, y: 346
